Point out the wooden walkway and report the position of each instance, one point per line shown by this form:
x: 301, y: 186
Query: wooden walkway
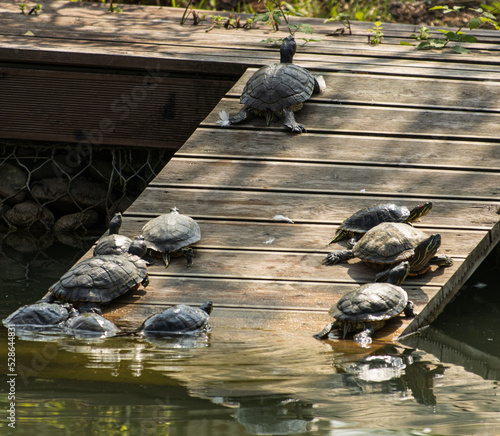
x: 394, y: 125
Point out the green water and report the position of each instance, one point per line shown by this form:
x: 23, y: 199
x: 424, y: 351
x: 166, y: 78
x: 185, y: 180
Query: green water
x: 249, y: 382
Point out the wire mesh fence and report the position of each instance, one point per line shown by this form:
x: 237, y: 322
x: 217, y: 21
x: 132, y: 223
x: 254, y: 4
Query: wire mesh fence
x: 68, y: 187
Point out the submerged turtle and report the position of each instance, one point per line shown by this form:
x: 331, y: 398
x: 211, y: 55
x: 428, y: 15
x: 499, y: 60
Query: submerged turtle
x: 365, y: 219
x: 39, y: 316
x: 389, y: 244
x: 171, y: 233
x: 178, y: 320
x: 100, y: 279
x: 90, y: 325
x: 277, y: 90
x: 367, y: 308
x: 113, y: 242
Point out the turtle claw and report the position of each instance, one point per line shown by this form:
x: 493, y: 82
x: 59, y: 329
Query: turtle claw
x: 337, y: 257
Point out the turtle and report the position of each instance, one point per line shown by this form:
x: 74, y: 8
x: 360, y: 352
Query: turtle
x: 39, y: 316
x: 100, y: 279
x: 90, y: 324
x: 277, y: 90
x: 171, y: 233
x: 368, y: 307
x: 363, y: 220
x: 178, y: 320
x: 388, y: 244
x: 113, y: 242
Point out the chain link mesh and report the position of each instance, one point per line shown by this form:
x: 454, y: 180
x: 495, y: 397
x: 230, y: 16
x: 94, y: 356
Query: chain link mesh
x: 67, y: 187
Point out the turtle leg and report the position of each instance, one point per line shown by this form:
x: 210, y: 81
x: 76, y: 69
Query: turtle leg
x: 338, y: 256
x: 242, y: 115
x: 441, y: 260
x: 166, y: 259
x: 189, y: 253
x: 325, y: 333
x: 289, y: 121
x: 364, y: 337
x: 89, y: 308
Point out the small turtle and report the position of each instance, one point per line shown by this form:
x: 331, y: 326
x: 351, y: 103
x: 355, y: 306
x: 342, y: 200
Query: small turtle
x: 171, y: 233
x: 367, y: 308
x: 113, y: 242
x: 277, y: 90
x: 178, y: 320
x: 39, y: 316
x: 365, y: 219
x: 100, y: 279
x: 389, y: 244
x: 90, y: 325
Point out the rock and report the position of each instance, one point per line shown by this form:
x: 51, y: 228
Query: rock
x: 76, y: 221
x: 29, y: 215
x: 13, y: 186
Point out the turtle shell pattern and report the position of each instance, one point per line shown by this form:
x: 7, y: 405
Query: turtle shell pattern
x: 38, y: 315
x: 100, y: 279
x: 112, y: 244
x: 89, y: 324
x: 180, y: 319
x: 388, y: 244
x: 171, y: 232
x: 278, y: 86
x: 365, y: 219
x: 370, y: 303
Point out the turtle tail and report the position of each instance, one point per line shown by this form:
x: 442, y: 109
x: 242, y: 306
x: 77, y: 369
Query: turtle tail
x: 269, y: 116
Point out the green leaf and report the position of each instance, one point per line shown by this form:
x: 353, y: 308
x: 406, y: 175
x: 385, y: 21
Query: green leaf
x: 435, y: 8
x: 261, y: 17
x: 424, y: 45
x: 474, y: 23
x: 488, y: 15
x: 306, y: 28
x: 452, y: 36
x: 468, y: 38
x: 460, y: 50
x: 405, y: 43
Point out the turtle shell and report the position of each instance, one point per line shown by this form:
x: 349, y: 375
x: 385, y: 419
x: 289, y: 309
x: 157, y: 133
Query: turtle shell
x: 370, y: 303
x: 180, y: 319
x: 112, y: 244
x: 365, y: 219
x: 100, y: 279
x: 38, y: 315
x: 278, y: 86
x: 171, y: 232
x: 388, y: 244
x: 90, y: 324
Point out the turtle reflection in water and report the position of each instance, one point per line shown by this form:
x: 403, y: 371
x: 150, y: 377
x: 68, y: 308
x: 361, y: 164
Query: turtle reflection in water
x: 277, y: 90
x: 369, y: 307
x: 363, y: 220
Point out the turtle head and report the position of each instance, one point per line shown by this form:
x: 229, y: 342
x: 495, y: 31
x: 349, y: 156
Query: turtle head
x: 425, y: 251
x: 138, y: 246
x: 398, y: 274
x: 207, y: 307
x: 115, y: 224
x: 287, y: 50
x: 419, y: 211
x: 174, y: 210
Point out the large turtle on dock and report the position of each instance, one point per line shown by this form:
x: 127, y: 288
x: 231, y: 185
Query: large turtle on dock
x: 277, y: 90
x: 365, y: 219
x: 388, y: 244
x: 369, y: 307
x: 171, y: 233
x: 100, y: 279
x: 178, y: 320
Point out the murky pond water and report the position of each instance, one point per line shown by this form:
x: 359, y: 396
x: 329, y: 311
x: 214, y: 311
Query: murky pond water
x: 247, y: 382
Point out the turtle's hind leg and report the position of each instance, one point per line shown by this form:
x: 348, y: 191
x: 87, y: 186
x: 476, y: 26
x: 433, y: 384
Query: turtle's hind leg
x: 189, y: 254
x: 241, y: 116
x: 289, y: 121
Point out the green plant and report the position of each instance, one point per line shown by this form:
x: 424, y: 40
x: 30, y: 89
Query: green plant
x: 36, y: 9
x: 342, y: 18
x: 112, y: 8
x: 376, y: 36
x: 429, y: 43
x: 22, y: 6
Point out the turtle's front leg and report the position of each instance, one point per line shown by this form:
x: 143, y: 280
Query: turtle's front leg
x: 338, y: 256
x: 364, y: 337
x: 289, y: 121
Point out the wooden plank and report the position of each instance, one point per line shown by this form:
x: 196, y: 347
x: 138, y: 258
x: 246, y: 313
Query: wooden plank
x: 378, y: 120
x: 342, y: 149
x: 351, y: 179
x: 327, y: 208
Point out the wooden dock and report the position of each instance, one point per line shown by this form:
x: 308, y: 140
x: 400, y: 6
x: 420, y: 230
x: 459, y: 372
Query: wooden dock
x: 394, y: 125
